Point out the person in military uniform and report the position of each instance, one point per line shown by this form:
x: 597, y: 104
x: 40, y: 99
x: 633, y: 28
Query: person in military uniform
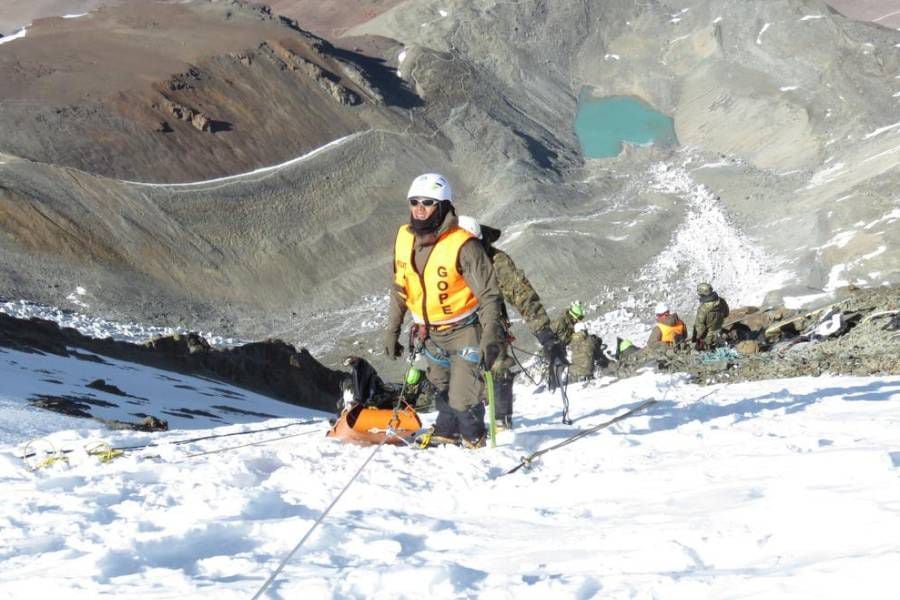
x: 710, y: 315
x: 443, y: 277
x: 669, y: 329
x: 585, y: 355
x: 564, y: 325
x: 518, y: 292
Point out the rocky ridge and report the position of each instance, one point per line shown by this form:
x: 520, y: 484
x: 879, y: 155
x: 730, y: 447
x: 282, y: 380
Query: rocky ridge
x: 270, y: 367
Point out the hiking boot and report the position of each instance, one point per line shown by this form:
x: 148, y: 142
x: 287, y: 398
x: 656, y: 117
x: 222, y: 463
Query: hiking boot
x: 504, y: 423
x: 473, y: 445
x: 432, y: 438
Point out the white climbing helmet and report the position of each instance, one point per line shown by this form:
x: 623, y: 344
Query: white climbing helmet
x: 470, y: 225
x: 662, y: 308
x: 431, y: 185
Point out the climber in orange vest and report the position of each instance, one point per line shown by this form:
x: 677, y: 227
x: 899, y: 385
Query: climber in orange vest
x: 669, y: 328
x: 445, y: 280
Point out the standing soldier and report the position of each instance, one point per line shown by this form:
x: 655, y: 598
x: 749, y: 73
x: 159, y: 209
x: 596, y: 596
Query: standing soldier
x: 517, y: 291
x: 446, y: 281
x: 710, y: 315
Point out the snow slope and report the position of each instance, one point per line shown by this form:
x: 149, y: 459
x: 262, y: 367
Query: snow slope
x: 184, y: 401
x: 784, y: 489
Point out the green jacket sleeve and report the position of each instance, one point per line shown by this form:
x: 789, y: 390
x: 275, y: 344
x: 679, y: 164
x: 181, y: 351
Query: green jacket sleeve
x: 564, y: 327
x: 518, y: 292
x: 477, y: 270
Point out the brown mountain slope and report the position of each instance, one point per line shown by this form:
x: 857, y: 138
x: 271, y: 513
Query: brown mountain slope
x: 332, y: 19
x: 180, y: 92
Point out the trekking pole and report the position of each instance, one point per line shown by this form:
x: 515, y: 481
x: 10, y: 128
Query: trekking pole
x: 492, y: 410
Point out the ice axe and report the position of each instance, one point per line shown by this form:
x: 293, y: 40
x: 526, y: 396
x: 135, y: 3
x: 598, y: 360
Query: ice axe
x: 492, y: 413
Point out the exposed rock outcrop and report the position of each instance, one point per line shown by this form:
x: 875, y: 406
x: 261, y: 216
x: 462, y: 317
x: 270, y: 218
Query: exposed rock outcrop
x: 271, y: 367
x: 198, y: 119
x: 327, y: 81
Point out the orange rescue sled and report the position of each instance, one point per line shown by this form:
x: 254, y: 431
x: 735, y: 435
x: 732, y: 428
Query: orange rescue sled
x: 368, y: 425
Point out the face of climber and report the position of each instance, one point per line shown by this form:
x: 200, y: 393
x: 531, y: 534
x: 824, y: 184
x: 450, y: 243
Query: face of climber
x: 422, y: 208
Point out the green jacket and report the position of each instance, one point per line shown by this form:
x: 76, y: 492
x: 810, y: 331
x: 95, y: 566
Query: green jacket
x: 710, y: 316
x: 586, y: 354
x: 564, y: 327
x: 518, y: 292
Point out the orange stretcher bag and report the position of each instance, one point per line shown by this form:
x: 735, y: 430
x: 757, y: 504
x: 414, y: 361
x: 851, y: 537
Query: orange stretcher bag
x: 366, y: 425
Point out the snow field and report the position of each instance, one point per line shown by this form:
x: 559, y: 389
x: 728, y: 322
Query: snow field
x: 767, y: 489
x: 184, y: 401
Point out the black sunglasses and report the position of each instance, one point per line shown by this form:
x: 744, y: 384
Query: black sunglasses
x: 423, y: 201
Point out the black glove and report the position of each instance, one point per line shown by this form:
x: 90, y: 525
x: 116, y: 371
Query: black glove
x: 554, y: 351
x: 392, y: 347
x: 489, y: 355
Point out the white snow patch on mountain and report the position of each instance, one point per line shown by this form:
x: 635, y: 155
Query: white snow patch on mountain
x: 767, y: 489
x: 707, y: 247
x: 835, y: 279
x: 881, y: 130
x: 256, y: 172
x: 96, y: 327
x: 839, y: 240
x: 13, y: 36
x: 796, y: 302
x: 825, y: 175
x: 890, y: 217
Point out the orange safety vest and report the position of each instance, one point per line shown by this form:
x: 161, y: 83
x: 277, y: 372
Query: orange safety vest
x: 439, y: 295
x: 670, y: 334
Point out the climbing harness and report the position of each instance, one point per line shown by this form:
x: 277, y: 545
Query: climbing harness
x: 527, y: 461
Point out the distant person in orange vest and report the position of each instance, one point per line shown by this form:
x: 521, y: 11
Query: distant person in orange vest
x: 669, y: 329
x: 445, y: 280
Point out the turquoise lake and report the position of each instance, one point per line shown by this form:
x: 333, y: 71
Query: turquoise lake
x: 604, y: 124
